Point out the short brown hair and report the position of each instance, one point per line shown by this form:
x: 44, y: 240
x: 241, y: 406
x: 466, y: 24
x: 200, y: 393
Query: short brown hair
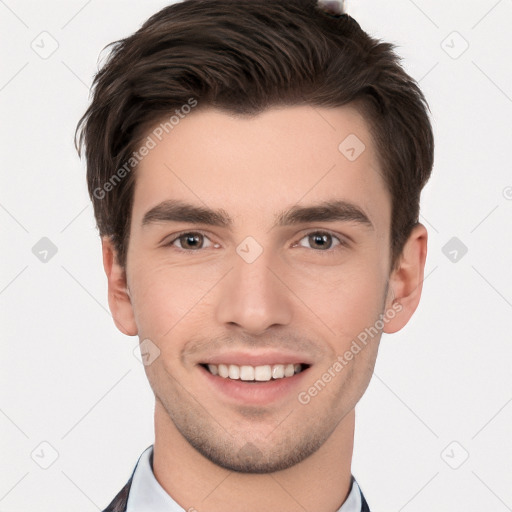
x: 243, y: 56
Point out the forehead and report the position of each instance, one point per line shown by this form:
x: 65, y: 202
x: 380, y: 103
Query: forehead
x: 260, y: 164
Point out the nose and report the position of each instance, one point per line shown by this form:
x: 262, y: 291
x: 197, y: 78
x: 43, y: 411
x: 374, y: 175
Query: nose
x: 254, y: 296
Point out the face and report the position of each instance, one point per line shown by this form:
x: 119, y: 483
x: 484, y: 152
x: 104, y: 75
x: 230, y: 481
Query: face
x: 285, y: 264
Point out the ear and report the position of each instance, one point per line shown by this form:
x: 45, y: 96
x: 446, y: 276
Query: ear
x: 119, y: 300
x: 406, y: 280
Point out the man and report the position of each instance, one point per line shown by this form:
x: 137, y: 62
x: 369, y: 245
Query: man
x: 256, y: 169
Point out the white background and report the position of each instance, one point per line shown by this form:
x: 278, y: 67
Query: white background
x: 70, y: 379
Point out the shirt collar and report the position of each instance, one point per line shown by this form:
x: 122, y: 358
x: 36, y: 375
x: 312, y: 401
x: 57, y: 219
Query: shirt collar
x: 147, y: 494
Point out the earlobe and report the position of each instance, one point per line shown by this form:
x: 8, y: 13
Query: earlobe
x: 406, y: 281
x: 119, y: 299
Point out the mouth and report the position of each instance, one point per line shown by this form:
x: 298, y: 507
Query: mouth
x: 255, y: 379
x: 255, y: 374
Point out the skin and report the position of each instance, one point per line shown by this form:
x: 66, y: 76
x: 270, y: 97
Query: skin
x: 211, y: 453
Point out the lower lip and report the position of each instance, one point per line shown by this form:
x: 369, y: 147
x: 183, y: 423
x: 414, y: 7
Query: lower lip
x: 255, y: 393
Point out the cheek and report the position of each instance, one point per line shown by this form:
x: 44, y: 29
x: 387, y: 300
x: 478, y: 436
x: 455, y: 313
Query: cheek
x: 345, y: 299
x: 165, y: 295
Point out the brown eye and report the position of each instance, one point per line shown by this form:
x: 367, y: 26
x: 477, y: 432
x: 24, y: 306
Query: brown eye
x: 321, y: 240
x: 190, y: 241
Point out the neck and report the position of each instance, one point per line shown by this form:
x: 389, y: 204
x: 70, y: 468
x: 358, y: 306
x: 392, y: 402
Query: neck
x: 321, y: 482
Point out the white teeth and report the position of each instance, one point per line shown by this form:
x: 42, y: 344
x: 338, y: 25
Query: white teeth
x: 278, y: 371
x: 289, y: 370
x: 223, y: 371
x: 262, y: 373
x: 246, y: 373
x: 234, y: 371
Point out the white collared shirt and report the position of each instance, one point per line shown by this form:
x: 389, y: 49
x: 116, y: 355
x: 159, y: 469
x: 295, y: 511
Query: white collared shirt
x: 146, y: 494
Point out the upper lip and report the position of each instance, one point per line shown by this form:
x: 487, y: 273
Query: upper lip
x: 257, y: 359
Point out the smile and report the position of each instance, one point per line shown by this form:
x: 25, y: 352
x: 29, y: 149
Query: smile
x: 263, y: 373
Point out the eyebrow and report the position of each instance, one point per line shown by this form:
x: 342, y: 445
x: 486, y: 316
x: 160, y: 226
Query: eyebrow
x: 326, y: 211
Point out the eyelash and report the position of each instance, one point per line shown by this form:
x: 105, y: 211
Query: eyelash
x: 342, y: 242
